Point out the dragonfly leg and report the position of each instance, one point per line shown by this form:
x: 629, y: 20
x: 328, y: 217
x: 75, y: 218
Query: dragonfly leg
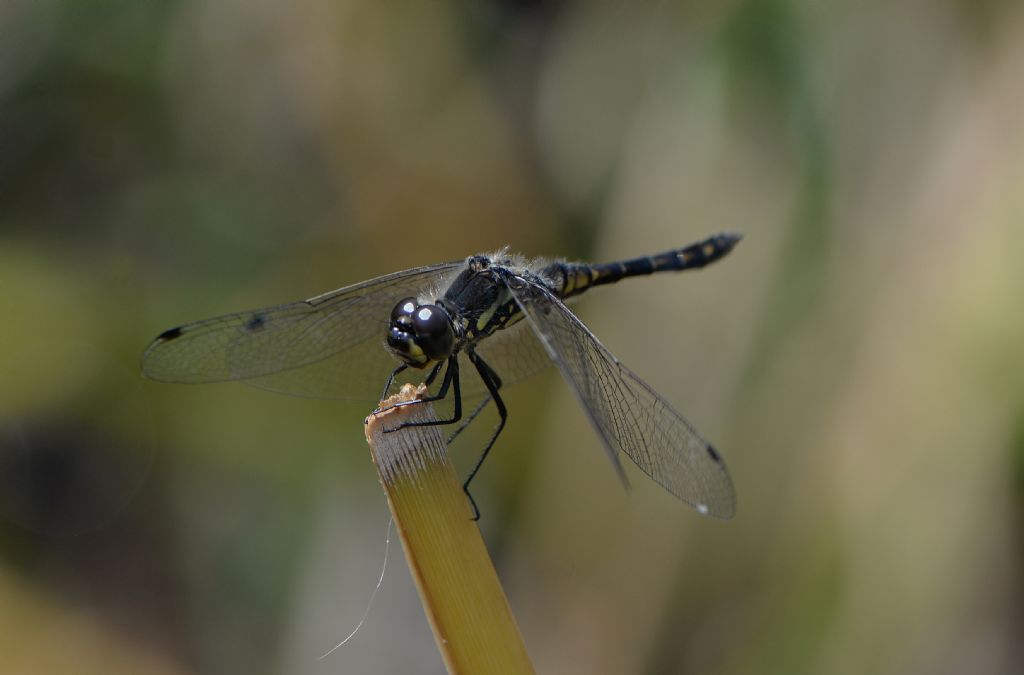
x: 451, y: 380
x: 433, y: 373
x: 469, y: 420
x: 391, y: 380
x: 493, y: 383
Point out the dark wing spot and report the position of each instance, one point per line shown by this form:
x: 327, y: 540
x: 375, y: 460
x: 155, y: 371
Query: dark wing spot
x: 170, y: 334
x: 255, y: 322
x: 714, y: 454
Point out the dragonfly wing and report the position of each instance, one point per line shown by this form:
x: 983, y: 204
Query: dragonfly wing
x: 330, y: 346
x: 629, y: 416
x: 514, y: 353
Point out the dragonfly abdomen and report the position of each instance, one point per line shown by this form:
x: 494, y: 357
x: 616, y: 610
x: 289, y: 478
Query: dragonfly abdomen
x: 578, y: 277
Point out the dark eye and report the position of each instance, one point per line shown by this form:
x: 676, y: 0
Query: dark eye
x: 404, y: 307
x: 428, y: 321
x: 433, y: 331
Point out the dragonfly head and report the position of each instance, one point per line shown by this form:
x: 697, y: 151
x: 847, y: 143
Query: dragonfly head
x: 420, y: 334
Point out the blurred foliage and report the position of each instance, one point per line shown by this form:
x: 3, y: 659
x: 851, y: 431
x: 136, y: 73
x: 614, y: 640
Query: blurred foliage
x: 858, y: 359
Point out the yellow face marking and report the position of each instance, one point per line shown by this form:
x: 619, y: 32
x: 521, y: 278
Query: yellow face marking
x: 415, y: 354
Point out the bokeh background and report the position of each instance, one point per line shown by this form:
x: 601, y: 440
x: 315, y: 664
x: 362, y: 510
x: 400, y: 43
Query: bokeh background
x: 858, y: 359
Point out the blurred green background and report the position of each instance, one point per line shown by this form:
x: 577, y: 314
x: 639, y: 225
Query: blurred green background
x: 858, y: 359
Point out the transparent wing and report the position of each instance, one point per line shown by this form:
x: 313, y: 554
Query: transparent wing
x: 514, y: 353
x: 330, y: 346
x: 629, y: 416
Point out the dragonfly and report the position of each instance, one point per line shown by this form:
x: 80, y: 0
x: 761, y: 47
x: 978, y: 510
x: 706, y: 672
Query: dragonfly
x: 499, y: 317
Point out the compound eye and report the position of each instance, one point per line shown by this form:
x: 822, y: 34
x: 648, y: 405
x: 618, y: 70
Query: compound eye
x: 433, y: 331
x: 429, y: 321
x: 405, y: 307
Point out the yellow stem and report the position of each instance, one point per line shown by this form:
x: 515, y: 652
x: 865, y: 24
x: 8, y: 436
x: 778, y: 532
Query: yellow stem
x: 462, y: 597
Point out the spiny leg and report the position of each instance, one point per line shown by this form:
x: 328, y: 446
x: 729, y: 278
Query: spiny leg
x: 433, y: 373
x: 493, y: 383
x: 451, y: 379
x: 395, y: 372
x: 391, y: 380
x: 469, y: 420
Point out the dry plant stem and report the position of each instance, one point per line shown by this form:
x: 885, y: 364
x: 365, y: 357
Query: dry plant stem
x: 472, y: 623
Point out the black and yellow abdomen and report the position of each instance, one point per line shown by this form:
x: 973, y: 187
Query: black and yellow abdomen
x: 574, y: 278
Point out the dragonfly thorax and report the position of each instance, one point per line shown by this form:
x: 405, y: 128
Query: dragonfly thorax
x: 420, y: 334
